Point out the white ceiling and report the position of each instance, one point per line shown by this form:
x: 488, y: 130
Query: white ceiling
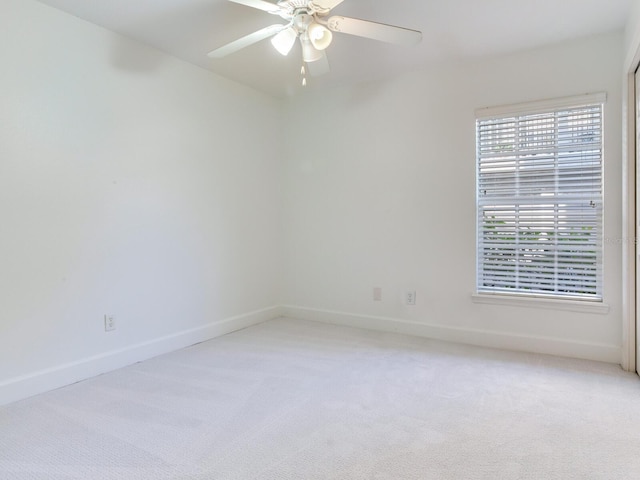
x: 452, y: 29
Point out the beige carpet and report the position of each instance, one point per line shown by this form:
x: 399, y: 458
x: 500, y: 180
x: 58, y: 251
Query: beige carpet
x: 300, y: 400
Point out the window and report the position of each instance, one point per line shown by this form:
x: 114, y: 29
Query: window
x: 539, y: 198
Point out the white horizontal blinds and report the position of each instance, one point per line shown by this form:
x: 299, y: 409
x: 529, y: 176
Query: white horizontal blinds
x: 540, y: 203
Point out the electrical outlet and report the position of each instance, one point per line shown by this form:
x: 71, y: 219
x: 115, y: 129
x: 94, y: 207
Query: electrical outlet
x: 377, y: 294
x: 410, y: 298
x: 109, y: 323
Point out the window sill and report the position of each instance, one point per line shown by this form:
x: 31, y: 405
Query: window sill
x: 541, y: 302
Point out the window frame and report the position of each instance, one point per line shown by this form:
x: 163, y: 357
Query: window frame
x: 536, y: 298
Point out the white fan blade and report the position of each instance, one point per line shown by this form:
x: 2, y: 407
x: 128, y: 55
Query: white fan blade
x: 376, y: 31
x: 327, y: 4
x: 320, y: 66
x: 245, y: 41
x: 259, y: 4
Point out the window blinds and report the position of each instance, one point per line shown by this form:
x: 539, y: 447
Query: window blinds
x: 539, y: 197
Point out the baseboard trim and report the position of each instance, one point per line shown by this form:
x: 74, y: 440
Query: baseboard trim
x: 25, y: 386
x: 484, y: 338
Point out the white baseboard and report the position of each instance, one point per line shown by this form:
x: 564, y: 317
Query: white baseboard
x: 61, y: 375
x: 484, y: 338
x: 25, y: 386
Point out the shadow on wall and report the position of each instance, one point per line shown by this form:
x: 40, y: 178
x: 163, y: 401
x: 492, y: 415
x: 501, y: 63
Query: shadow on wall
x: 202, y: 20
x: 133, y: 57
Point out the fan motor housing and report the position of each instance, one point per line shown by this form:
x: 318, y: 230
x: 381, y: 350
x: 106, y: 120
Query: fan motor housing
x: 294, y: 4
x: 292, y: 8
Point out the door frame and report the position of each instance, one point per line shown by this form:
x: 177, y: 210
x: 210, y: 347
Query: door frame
x: 630, y: 187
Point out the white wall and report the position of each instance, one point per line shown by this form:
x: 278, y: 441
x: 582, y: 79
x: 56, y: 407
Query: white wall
x: 130, y: 183
x: 380, y: 192
x: 632, y: 32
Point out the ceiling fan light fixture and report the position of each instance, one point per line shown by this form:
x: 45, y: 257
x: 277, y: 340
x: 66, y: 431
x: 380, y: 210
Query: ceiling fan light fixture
x: 309, y: 52
x: 283, y: 41
x: 319, y: 35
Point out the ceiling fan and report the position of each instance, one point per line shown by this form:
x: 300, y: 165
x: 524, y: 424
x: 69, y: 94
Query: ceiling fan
x: 309, y: 21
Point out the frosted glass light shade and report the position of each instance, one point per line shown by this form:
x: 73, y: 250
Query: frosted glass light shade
x: 309, y: 52
x: 320, y: 36
x: 283, y: 41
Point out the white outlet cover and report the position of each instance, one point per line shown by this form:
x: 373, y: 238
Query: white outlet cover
x: 109, y: 323
x: 410, y: 298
